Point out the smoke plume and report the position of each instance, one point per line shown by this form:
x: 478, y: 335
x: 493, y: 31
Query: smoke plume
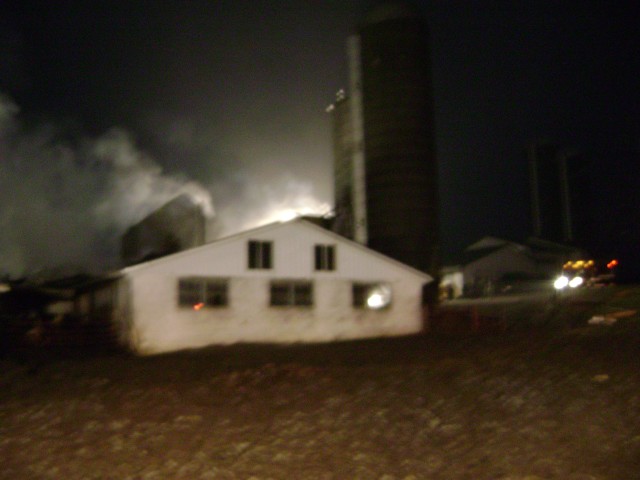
x: 66, y: 204
x: 258, y: 202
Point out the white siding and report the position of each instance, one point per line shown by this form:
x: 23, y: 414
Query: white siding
x: 494, y: 266
x: 159, y: 324
x: 292, y: 257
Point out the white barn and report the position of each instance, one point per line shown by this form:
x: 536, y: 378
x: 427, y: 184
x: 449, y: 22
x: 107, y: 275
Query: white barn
x: 280, y: 283
x: 489, y: 259
x: 493, y: 264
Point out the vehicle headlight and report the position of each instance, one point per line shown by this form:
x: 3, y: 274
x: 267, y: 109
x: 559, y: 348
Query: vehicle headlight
x: 576, y: 282
x: 561, y: 282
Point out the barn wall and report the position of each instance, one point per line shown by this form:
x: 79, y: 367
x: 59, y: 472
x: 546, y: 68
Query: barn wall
x: 491, y: 268
x: 292, y: 257
x: 156, y: 323
x: 162, y: 325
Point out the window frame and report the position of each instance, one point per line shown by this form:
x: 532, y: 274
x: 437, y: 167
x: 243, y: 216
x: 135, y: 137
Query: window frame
x: 296, y: 293
x: 260, y: 254
x: 324, y: 257
x: 203, y: 292
x: 360, y: 293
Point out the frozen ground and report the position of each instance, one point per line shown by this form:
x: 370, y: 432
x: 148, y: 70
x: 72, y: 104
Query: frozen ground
x: 534, y: 403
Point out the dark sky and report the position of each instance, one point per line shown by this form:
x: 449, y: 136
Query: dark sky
x: 108, y: 108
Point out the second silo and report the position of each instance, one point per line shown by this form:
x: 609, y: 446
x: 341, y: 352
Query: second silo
x: 394, y: 136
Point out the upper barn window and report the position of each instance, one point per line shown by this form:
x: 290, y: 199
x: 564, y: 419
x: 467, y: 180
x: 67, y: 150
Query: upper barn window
x: 325, y: 257
x: 260, y: 254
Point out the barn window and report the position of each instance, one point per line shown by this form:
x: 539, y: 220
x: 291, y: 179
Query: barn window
x: 325, y: 257
x: 373, y: 296
x: 260, y: 256
x: 291, y: 293
x: 200, y: 292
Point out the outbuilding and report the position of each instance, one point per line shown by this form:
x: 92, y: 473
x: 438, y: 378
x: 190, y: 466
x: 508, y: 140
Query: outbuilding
x: 279, y: 283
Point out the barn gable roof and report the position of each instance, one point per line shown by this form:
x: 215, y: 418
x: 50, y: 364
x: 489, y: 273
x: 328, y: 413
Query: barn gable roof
x: 265, y: 229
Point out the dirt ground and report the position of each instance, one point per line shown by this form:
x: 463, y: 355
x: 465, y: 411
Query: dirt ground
x: 533, y: 403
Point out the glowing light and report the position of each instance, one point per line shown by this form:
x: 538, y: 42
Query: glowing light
x: 576, y: 282
x: 198, y: 306
x: 561, y: 282
x: 379, y: 297
x: 375, y: 301
x: 286, y: 198
x: 287, y: 215
x: 612, y: 264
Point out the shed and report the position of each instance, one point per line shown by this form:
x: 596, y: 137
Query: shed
x: 494, y: 265
x: 490, y: 259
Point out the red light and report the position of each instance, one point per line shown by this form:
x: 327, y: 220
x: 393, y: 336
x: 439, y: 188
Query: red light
x: 198, y: 306
x: 612, y: 264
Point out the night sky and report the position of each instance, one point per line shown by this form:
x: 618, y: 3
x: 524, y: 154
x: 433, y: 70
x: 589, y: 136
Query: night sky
x: 109, y: 108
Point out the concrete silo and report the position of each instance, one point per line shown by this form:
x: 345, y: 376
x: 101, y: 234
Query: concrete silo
x: 392, y: 153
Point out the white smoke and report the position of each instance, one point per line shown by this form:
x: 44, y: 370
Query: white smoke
x: 283, y: 198
x: 67, y: 205
x: 135, y: 184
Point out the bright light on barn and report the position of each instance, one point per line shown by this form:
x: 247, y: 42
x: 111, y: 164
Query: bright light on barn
x: 379, y: 297
x: 375, y: 300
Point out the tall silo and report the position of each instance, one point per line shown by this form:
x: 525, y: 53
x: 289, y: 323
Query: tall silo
x: 340, y: 111
x: 550, y: 193
x: 394, y: 135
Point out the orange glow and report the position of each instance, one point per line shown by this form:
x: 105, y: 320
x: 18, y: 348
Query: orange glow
x: 612, y: 264
x: 198, y: 306
x: 578, y: 265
